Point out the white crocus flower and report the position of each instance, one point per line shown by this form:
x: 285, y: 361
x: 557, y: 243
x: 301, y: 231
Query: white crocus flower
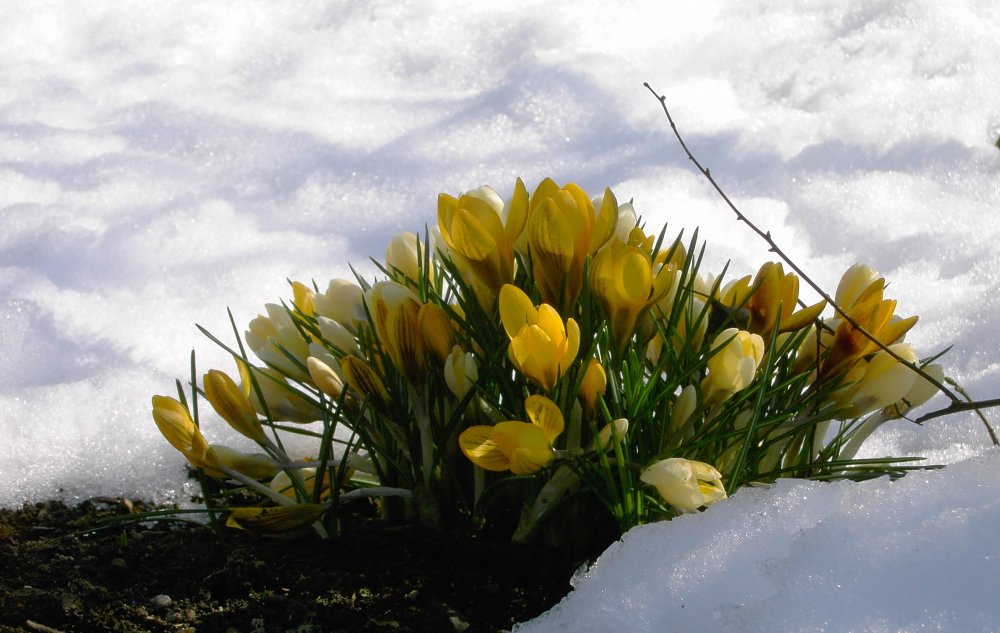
x: 685, y: 484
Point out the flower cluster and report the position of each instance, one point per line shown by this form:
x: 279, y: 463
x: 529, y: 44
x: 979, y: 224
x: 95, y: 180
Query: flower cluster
x: 546, y: 348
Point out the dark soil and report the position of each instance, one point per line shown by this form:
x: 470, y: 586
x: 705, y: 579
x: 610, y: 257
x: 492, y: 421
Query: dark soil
x: 58, y: 574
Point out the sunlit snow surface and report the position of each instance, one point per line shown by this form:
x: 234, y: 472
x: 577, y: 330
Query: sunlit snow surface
x: 163, y: 161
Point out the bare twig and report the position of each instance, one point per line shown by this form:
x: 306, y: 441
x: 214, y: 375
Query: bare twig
x: 957, y: 404
x: 957, y: 407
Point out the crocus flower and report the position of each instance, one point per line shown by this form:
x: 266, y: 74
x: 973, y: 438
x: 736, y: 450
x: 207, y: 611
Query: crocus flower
x: 404, y: 257
x: 480, y: 231
x: 593, y: 386
x: 339, y: 337
x: 854, y: 281
x: 254, y: 465
x: 460, y: 371
x: 282, y: 483
x: 276, y: 340
x: 541, y: 346
x: 685, y: 484
x: 364, y: 380
x: 394, y: 309
x: 304, y: 298
x: 176, y: 425
x: 921, y: 391
x: 520, y: 447
x: 869, y: 310
x: 437, y: 329
x: 562, y: 230
x: 622, y: 277
x: 877, y: 383
x: 684, y: 407
x: 343, y: 302
x: 274, y: 520
x: 733, y: 364
x: 610, y: 434
x: 281, y: 401
x: 773, y: 302
x: 324, y: 369
x: 232, y: 405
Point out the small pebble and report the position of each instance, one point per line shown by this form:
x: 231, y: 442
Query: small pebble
x: 160, y: 601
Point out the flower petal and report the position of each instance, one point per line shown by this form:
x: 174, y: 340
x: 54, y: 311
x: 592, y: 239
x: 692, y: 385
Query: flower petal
x: 516, y: 310
x: 526, y: 446
x: 478, y: 445
x: 274, y: 520
x: 607, y: 219
x: 544, y: 414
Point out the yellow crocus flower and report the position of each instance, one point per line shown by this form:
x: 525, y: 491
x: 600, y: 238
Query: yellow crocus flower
x: 593, y: 386
x: 685, y: 484
x: 522, y: 448
x: 736, y: 292
x: 437, y: 330
x: 304, y: 298
x: 333, y: 333
x: 176, y: 425
x: 623, y: 280
x: 562, y: 230
x: 773, y: 302
x: 854, y: 281
x: 394, y: 309
x: 232, y: 405
x: 476, y: 231
x: 362, y: 378
x: 542, y: 347
x: 874, y: 314
x: 274, y: 520
x: 683, y: 408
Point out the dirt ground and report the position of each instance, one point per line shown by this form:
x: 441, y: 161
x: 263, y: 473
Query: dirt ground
x: 60, y: 575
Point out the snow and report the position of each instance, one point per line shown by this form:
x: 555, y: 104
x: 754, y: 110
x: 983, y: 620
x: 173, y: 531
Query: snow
x: 920, y: 554
x: 162, y: 161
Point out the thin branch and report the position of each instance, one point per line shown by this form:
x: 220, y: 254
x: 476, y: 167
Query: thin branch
x: 961, y: 406
x: 957, y: 407
x: 957, y: 403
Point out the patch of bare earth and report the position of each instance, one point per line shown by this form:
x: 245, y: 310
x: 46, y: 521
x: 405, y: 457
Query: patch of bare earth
x: 58, y: 574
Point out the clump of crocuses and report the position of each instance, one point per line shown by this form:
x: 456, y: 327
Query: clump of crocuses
x: 538, y: 349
